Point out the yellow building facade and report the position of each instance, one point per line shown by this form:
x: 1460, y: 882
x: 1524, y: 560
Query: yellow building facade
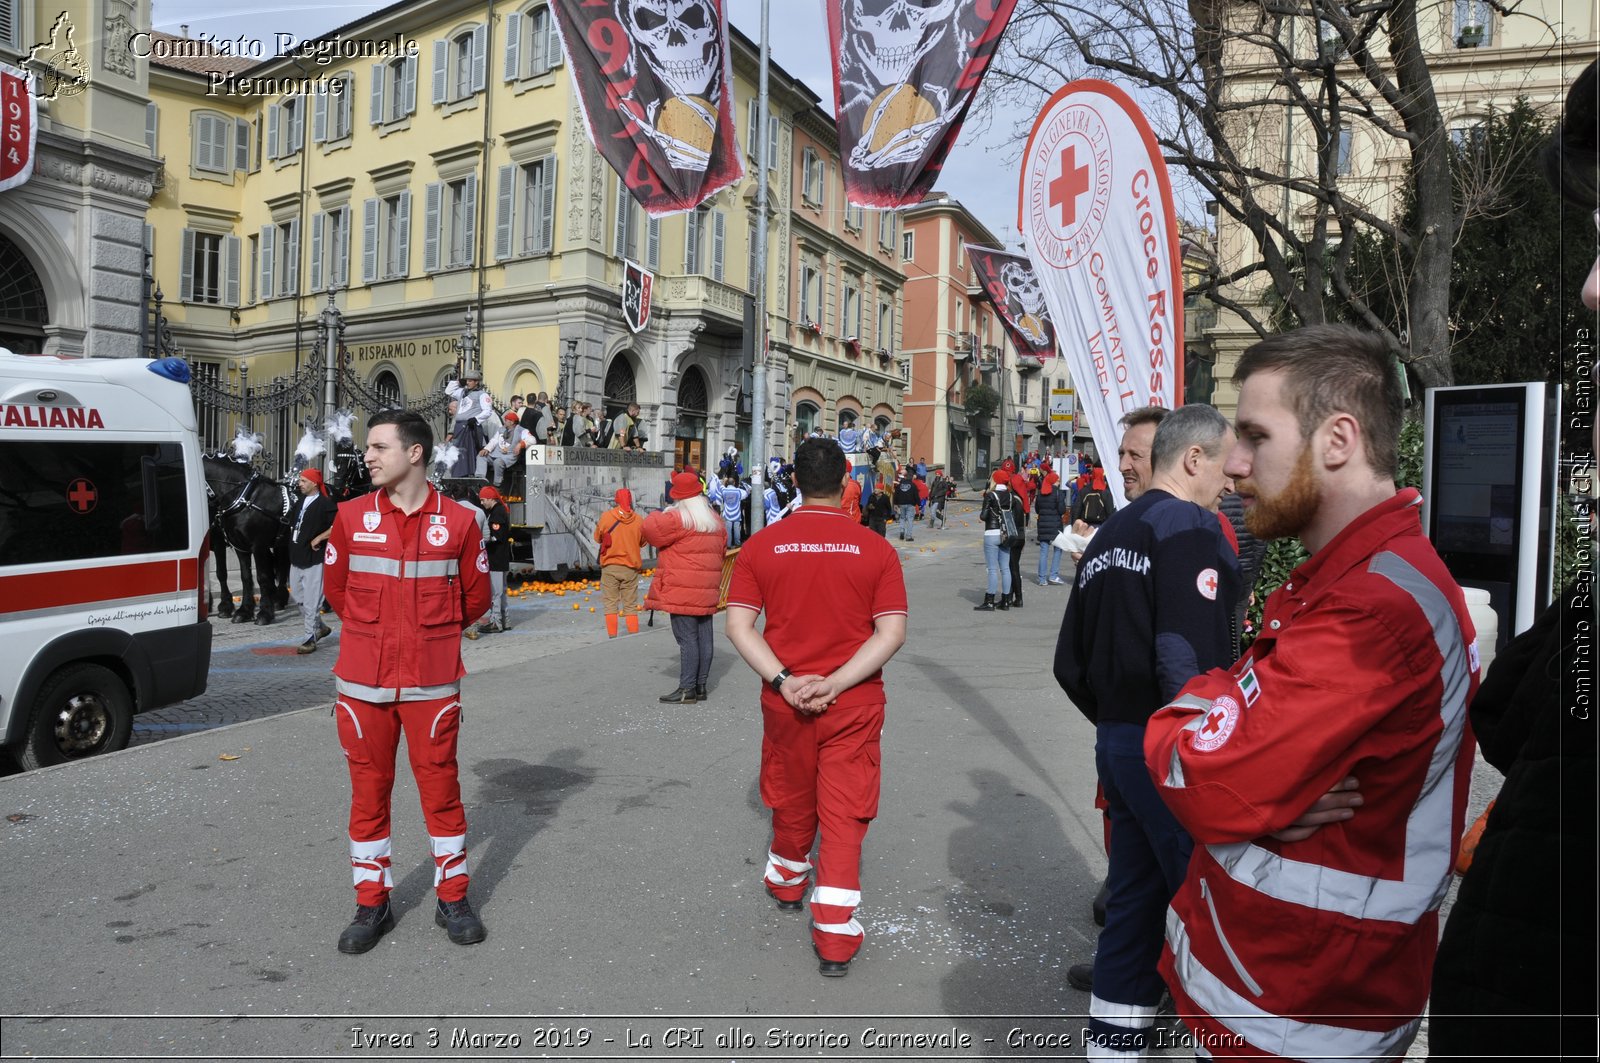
x: 429, y: 165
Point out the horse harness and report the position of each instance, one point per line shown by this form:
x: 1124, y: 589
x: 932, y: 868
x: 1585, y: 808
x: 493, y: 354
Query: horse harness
x: 246, y: 499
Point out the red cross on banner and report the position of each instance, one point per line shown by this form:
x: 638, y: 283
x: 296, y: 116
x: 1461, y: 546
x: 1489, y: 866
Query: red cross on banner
x: 19, y: 126
x: 82, y: 496
x: 1073, y: 182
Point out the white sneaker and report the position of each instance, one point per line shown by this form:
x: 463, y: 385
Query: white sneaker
x: 1044, y: 583
x: 1058, y: 581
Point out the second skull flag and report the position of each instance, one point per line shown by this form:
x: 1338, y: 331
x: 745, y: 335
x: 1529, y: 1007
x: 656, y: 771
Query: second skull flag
x: 656, y: 84
x: 1018, y: 296
x: 904, y: 74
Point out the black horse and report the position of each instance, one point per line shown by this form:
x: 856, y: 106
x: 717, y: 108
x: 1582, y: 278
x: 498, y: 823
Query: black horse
x: 350, y: 475
x: 249, y: 513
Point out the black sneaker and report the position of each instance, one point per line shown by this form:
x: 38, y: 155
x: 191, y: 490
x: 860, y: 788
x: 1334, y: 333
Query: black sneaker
x: 1081, y: 976
x: 372, y: 921
x: 681, y: 696
x: 830, y: 968
x: 459, y: 921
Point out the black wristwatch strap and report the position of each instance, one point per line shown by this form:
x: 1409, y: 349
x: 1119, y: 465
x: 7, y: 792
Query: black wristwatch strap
x: 776, y: 682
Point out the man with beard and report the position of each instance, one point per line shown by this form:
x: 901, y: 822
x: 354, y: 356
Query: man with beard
x: 1298, y: 902
x: 1148, y: 612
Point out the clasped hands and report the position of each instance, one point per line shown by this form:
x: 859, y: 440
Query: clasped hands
x: 810, y: 694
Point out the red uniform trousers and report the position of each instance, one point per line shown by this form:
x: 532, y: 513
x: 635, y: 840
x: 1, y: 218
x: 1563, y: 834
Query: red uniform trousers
x: 370, y: 735
x: 822, y: 771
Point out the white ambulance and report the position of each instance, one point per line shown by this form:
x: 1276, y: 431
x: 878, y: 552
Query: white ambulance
x: 103, y: 546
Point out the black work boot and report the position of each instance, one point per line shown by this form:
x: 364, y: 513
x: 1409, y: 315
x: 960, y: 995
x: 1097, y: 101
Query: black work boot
x: 987, y: 605
x: 1016, y: 598
x: 372, y: 921
x: 700, y: 692
x: 681, y: 696
x: 459, y: 921
x: 1080, y: 976
x: 1004, y: 602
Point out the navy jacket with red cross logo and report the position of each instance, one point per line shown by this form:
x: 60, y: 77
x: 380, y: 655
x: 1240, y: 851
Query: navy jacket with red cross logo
x: 404, y: 587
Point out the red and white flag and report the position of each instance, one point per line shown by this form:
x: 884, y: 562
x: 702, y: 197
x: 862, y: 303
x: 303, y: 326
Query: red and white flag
x: 655, y: 79
x: 904, y: 74
x: 1018, y: 296
x: 1097, y: 215
x: 19, y: 126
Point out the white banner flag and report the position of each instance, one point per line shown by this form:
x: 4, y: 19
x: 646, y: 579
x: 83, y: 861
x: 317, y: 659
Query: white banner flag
x: 1096, y: 212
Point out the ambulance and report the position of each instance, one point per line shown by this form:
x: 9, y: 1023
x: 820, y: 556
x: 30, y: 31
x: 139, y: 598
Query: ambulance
x: 103, y: 527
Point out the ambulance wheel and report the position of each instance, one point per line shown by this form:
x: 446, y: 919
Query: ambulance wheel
x: 83, y: 710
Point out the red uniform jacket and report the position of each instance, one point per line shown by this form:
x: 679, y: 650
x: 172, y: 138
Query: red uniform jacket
x: 688, y: 578
x: 404, y: 587
x: 1365, y: 667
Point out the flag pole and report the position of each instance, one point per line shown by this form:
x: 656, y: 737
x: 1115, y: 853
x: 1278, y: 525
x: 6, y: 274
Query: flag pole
x: 758, y: 401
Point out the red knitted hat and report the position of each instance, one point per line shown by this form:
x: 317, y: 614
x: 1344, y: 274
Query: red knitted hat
x: 685, y: 485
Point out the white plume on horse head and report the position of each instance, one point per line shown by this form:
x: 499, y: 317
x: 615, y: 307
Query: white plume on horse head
x: 445, y: 455
x: 246, y: 444
x: 311, y: 446
x: 341, y: 426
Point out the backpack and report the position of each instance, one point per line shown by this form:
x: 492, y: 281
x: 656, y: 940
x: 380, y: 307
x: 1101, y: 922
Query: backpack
x: 1094, y: 508
x: 603, y: 435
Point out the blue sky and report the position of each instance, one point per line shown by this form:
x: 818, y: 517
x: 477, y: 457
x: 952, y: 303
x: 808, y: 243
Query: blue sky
x: 799, y: 45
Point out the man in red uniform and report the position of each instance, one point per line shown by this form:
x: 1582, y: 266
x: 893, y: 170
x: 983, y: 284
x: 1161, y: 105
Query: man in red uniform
x: 1306, y: 926
x: 835, y: 601
x: 406, y: 570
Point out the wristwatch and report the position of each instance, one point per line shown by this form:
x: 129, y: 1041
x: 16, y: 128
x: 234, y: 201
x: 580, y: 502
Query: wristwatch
x: 776, y: 682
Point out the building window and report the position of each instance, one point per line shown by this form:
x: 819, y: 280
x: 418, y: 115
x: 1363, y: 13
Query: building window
x: 533, y: 46
x: 885, y: 325
x: 212, y: 144
x: 458, y: 65
x: 752, y: 123
x: 280, y: 259
x: 330, y: 249
x: 210, y: 269
x: 652, y: 243
x: 813, y: 178
x: 908, y: 245
x: 525, y: 211
x: 719, y: 245
x: 387, y: 387
x: 394, y: 90
x: 1341, y: 158
x: 886, y: 228
x: 386, y: 237
x: 1022, y: 389
x: 694, y: 228
x: 810, y: 295
x: 752, y: 265
x: 286, y: 127
x: 1469, y: 138
x: 448, y: 225
x: 806, y: 417
x: 254, y: 272
x: 851, y: 325
x: 625, y: 239
x: 1474, y: 24
x: 847, y: 418
x: 853, y: 216
x: 152, y: 124
x: 241, y: 145
x: 330, y: 121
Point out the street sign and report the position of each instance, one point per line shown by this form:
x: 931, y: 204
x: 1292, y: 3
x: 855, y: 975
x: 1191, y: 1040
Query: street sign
x: 1063, y: 409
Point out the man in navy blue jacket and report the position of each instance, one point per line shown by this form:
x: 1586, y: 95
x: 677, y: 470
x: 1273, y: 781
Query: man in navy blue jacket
x: 1150, y: 610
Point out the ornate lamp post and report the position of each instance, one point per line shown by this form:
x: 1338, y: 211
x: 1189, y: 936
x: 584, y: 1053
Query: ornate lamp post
x: 569, y: 368
x: 330, y: 326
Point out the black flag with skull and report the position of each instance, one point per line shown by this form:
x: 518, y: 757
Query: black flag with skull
x: 904, y: 74
x: 1014, y: 289
x: 657, y: 90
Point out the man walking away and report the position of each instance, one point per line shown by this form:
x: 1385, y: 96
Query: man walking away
x: 835, y: 601
x: 312, y: 524
x: 405, y: 569
x: 1149, y: 611
x: 905, y: 504
x: 619, y: 531
x: 1297, y: 904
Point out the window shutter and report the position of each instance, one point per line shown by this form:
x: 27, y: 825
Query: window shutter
x: 380, y: 74
x: 691, y: 242
x: 480, y: 57
x: 341, y: 262
x: 152, y: 127
x: 230, y: 258
x: 319, y: 117
x: 772, y: 142
x: 752, y: 124
x: 441, y: 71
x: 514, y: 46
x: 620, y: 241
x: 718, y: 243
x: 241, y: 145
x: 272, y: 130
x: 652, y: 244
x: 318, y: 227
x: 547, y: 206
x: 404, y: 213
x: 186, y: 268
x: 346, y: 104
x: 291, y: 259
x: 469, y: 215
x: 433, y: 198
x: 268, y: 237
x: 410, y: 93
x: 552, y: 48
x: 369, y: 241
x: 503, y: 212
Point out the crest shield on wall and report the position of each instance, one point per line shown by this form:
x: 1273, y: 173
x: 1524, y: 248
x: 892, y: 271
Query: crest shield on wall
x: 637, y: 283
x: 904, y: 74
x: 655, y: 81
x: 1018, y: 297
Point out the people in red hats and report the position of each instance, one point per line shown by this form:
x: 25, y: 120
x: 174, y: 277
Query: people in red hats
x: 498, y: 541
x: 619, y: 532
x: 406, y: 568
x: 311, y: 526
x: 835, y: 604
x: 688, y: 537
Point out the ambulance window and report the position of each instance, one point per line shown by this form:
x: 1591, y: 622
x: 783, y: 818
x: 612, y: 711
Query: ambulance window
x: 80, y: 501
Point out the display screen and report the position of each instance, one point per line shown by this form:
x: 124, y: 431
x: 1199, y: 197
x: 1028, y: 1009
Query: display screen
x: 1476, y: 488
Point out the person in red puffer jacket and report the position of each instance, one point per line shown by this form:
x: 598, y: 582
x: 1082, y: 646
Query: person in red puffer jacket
x: 689, y: 538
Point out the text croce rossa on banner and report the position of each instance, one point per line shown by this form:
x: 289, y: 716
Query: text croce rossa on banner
x: 655, y: 79
x: 1097, y: 214
x: 904, y: 74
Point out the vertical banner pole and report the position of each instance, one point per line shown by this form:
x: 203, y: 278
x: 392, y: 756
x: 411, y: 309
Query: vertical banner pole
x: 758, y: 401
